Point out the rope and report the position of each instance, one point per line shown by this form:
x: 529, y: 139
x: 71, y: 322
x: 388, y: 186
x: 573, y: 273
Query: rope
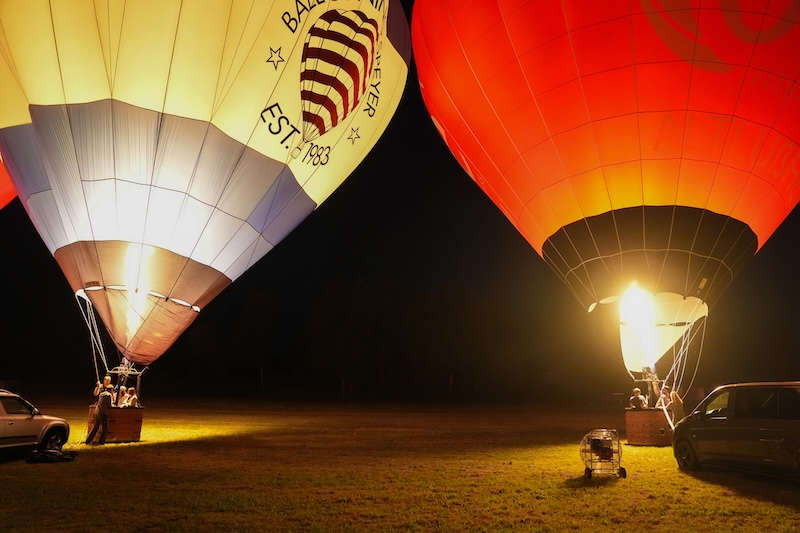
x: 697, y: 364
x: 669, y: 418
x: 682, y: 351
x: 94, y: 350
x: 699, y: 355
x: 94, y: 335
x: 91, y: 335
x: 680, y: 362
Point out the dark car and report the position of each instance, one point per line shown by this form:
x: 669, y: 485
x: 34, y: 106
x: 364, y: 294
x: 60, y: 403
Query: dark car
x: 746, y: 424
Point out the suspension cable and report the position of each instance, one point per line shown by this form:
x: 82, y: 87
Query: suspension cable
x: 96, y: 330
x: 91, y: 335
x: 699, y: 355
x: 94, y: 335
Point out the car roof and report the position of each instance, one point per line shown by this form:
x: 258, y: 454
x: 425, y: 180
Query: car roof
x: 6, y: 393
x: 762, y: 384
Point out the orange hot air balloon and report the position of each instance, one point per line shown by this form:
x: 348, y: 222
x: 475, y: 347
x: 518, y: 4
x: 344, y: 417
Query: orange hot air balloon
x: 7, y: 191
x: 628, y: 141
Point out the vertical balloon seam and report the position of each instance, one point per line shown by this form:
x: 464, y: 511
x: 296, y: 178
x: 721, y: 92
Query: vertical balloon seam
x: 722, y: 149
x: 698, y: 261
x: 594, y: 133
x: 499, y: 171
x: 472, y: 133
x: 159, y: 139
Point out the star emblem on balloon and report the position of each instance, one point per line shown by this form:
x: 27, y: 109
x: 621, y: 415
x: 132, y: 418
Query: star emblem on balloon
x: 354, y: 136
x: 293, y: 117
x: 275, y: 57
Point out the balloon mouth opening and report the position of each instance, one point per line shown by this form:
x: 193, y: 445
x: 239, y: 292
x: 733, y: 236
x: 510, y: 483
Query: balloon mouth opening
x: 82, y: 293
x: 637, y: 308
x: 651, y: 324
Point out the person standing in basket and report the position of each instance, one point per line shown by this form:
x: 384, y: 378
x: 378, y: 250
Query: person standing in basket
x: 676, y: 405
x: 103, y: 406
x: 664, y: 400
x: 122, y: 396
x: 637, y: 401
x: 132, y: 399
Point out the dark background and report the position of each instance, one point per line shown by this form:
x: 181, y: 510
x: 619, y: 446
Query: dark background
x: 407, y: 284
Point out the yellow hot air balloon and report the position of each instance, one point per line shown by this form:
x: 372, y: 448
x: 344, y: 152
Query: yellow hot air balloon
x: 161, y: 147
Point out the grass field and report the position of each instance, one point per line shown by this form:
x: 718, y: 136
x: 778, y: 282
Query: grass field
x: 231, y: 466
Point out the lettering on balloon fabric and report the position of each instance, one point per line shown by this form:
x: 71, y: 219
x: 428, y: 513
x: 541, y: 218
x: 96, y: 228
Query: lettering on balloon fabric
x: 279, y: 124
x: 374, y: 94
x: 293, y: 18
x: 679, y: 29
x: 340, y: 74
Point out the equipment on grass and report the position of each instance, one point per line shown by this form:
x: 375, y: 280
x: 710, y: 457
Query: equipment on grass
x: 601, y: 453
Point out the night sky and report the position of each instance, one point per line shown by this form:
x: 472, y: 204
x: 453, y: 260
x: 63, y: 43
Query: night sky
x: 407, y: 284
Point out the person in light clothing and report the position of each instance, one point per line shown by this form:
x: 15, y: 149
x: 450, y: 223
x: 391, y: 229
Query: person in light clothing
x: 132, y: 399
x: 664, y: 400
x: 122, y: 396
x: 637, y: 400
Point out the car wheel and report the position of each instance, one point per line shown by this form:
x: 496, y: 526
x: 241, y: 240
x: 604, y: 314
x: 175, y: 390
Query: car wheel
x: 52, y: 441
x: 684, y: 454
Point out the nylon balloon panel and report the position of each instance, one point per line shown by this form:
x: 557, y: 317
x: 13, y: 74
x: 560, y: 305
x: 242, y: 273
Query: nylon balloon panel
x: 193, y: 190
x: 181, y: 140
x: 223, y: 62
x: 565, y: 111
x: 146, y: 321
x: 699, y: 255
x: 7, y: 191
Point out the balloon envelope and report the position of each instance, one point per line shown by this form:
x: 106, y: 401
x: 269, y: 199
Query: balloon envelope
x: 158, y: 145
x: 7, y: 191
x: 627, y: 141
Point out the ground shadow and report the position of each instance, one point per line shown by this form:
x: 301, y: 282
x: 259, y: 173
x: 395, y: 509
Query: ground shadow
x: 403, y: 434
x: 597, y: 480
x: 347, y: 440
x: 32, y: 455
x: 14, y: 454
x: 392, y: 429
x: 781, y: 489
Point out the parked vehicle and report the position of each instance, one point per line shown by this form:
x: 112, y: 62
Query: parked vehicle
x: 22, y: 425
x: 744, y: 424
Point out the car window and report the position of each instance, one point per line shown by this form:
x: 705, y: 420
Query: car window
x: 15, y: 406
x: 757, y: 402
x: 718, y: 406
x: 789, y: 403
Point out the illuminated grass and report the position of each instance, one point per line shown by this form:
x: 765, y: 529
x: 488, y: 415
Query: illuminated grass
x: 311, y: 468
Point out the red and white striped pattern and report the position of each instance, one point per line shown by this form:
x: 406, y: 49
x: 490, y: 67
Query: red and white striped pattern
x: 338, y: 57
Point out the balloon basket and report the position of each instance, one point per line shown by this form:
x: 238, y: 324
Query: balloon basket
x: 647, y: 427
x: 124, y: 424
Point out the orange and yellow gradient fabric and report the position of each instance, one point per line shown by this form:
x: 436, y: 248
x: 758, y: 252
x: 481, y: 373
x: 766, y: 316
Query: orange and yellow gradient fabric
x: 626, y: 140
